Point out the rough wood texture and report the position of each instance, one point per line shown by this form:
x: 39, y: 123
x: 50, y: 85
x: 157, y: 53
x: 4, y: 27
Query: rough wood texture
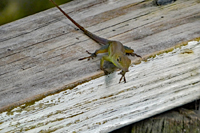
x: 102, y: 105
x: 176, y: 121
x: 180, y: 121
x: 39, y: 54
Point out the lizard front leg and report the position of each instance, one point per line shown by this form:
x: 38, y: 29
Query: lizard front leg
x: 105, y: 57
x: 123, y: 76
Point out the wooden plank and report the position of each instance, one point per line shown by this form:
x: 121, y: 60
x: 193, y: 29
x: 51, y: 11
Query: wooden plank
x: 38, y: 54
x: 102, y: 105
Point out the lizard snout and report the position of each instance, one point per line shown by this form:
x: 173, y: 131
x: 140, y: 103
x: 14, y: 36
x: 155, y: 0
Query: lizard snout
x: 125, y: 70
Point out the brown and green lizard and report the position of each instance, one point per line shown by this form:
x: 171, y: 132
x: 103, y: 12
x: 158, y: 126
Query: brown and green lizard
x: 117, y: 53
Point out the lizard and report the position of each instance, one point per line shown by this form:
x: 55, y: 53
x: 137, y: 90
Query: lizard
x: 117, y: 52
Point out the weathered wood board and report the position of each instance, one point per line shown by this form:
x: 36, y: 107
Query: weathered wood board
x: 39, y: 54
x: 102, y: 105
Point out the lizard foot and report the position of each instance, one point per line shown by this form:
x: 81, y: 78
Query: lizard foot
x: 134, y: 54
x: 106, y: 72
x: 92, y: 56
x: 123, y: 76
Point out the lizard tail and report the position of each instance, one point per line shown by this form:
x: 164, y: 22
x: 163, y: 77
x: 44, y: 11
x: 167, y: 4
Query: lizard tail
x: 79, y: 26
x: 96, y: 38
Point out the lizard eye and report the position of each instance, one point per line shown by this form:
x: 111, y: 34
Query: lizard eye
x: 119, y: 59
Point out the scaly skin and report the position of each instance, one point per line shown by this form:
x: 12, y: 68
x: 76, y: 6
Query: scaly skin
x: 117, y: 53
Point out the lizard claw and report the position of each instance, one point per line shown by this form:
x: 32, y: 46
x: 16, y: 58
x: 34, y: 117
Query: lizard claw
x: 88, y: 52
x: 123, y: 76
x: 85, y: 58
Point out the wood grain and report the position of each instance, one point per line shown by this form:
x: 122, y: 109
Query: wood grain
x: 102, y: 105
x: 39, y: 54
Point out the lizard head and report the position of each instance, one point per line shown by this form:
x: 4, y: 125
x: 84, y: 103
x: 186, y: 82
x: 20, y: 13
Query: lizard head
x: 123, y: 63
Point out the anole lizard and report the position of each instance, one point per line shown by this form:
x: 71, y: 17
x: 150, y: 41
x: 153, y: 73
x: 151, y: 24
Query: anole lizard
x: 117, y: 53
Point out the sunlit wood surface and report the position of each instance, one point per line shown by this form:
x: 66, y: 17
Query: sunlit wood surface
x: 39, y: 56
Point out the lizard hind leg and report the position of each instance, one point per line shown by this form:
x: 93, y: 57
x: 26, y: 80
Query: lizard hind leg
x: 92, y: 55
x: 103, y: 49
x: 130, y: 51
x: 134, y: 54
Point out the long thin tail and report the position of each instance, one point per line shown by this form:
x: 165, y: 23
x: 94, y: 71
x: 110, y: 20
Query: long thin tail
x: 96, y: 38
